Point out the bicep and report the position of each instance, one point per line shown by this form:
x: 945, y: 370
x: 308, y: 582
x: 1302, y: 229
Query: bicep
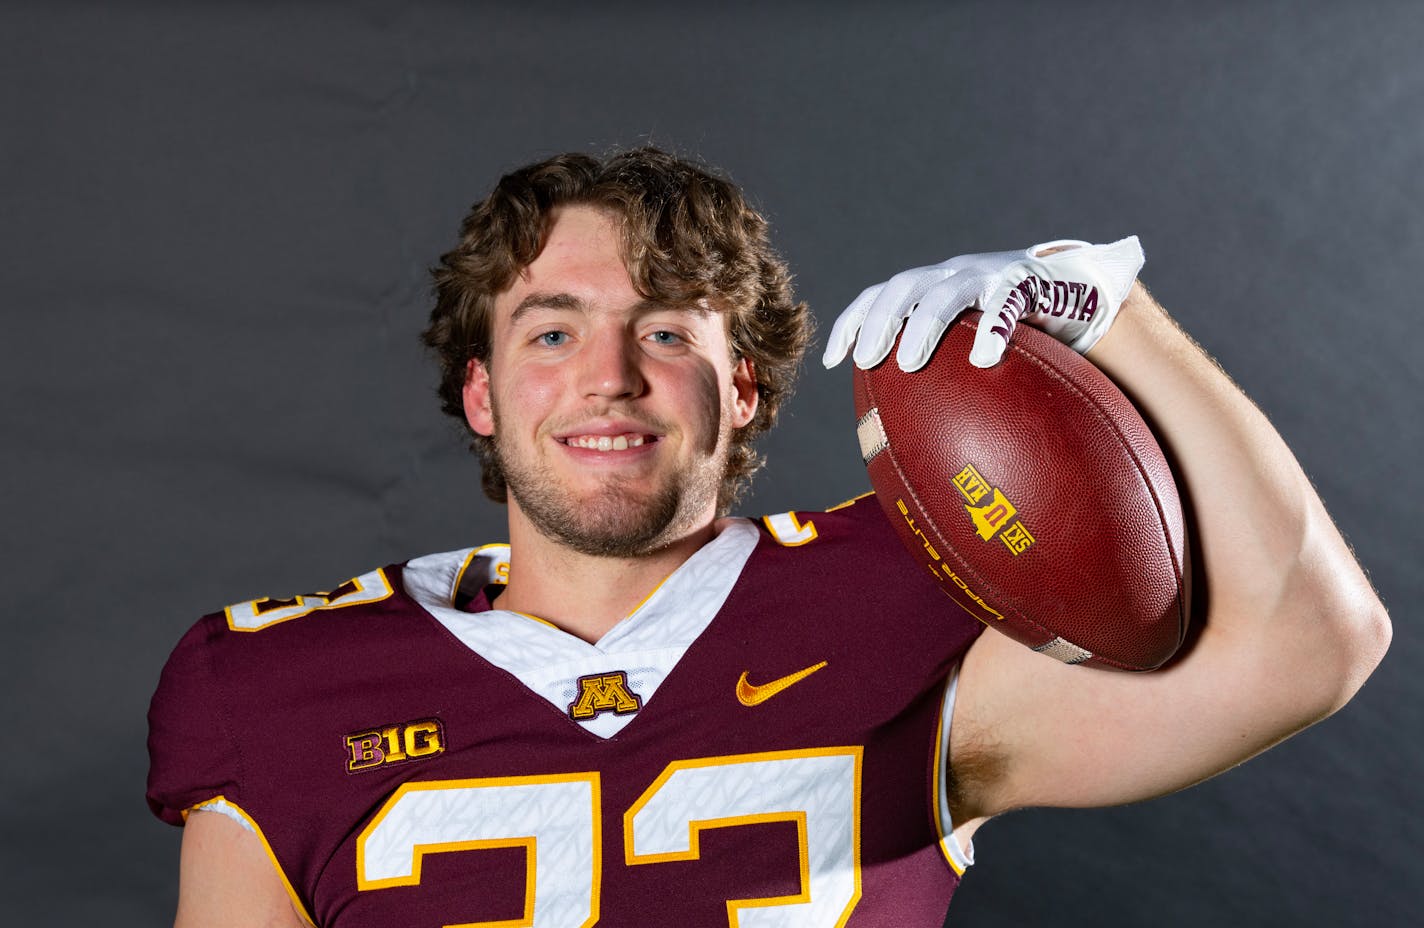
x: 226, y: 878
x: 1287, y: 627
x: 1072, y: 736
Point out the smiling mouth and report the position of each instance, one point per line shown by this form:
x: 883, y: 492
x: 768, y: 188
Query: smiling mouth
x: 609, y: 442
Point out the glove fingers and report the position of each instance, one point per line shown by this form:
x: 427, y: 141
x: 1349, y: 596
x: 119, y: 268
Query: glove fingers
x: 1003, y: 306
x: 847, y: 326
x: 998, y: 283
x: 939, y: 306
x: 883, y: 318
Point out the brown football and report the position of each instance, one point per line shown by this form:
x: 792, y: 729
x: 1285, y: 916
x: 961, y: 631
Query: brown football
x: 1035, y: 494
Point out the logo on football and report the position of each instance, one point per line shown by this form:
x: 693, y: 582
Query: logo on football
x: 1036, y: 495
x: 994, y: 514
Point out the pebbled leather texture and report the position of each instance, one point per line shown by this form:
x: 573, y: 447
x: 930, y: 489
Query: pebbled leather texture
x: 1080, y: 536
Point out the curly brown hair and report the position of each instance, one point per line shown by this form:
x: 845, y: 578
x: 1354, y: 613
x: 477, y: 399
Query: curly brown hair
x: 688, y: 234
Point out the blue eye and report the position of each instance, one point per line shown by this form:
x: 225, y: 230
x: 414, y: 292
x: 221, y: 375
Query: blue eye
x: 664, y: 337
x: 553, y: 339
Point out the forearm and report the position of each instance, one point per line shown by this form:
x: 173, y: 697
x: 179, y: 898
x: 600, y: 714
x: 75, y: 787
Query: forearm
x: 1277, y: 574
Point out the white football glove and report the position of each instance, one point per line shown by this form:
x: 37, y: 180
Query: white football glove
x: 1074, y: 295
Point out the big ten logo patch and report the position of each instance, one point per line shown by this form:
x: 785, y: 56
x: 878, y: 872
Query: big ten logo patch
x: 992, y: 512
x: 393, y: 744
x: 604, y: 692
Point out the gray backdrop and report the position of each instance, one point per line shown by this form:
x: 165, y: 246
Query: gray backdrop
x: 215, y: 225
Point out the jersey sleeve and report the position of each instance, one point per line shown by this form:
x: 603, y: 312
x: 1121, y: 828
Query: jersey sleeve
x: 192, y: 756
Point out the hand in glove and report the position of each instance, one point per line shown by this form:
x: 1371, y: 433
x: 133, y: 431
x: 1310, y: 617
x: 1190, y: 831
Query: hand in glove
x: 1073, y: 294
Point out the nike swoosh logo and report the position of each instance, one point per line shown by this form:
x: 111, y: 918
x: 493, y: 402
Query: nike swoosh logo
x: 751, y: 695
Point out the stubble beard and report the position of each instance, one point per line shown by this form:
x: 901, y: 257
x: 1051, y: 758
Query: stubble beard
x: 624, y: 519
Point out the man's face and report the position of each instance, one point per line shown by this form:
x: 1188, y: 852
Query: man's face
x: 611, y: 415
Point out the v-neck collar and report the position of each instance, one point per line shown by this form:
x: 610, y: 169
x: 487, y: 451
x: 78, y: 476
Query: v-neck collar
x: 645, y: 645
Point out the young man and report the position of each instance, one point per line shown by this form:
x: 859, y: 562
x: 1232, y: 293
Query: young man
x: 642, y: 712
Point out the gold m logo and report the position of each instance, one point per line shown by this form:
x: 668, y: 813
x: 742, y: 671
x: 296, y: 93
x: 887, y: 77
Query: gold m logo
x: 604, y: 692
x: 993, y: 514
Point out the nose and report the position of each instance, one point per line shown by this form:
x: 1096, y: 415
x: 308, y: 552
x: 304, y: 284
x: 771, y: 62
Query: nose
x: 611, y: 366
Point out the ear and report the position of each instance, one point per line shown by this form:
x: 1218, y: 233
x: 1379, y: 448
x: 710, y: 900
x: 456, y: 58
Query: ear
x: 478, y: 411
x: 744, y: 386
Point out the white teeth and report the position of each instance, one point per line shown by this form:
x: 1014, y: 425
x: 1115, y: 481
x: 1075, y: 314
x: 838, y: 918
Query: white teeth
x: 605, y: 442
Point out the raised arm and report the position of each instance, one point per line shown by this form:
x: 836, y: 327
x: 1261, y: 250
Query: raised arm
x: 1287, y: 627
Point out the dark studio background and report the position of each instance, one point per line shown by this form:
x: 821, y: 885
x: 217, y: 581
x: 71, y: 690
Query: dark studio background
x: 215, y: 225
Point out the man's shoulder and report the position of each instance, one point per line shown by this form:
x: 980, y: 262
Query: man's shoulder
x: 392, y: 597
x: 251, y: 685
x: 849, y: 550
x: 848, y: 521
x: 856, y: 528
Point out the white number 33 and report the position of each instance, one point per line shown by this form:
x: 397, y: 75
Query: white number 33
x: 556, y: 819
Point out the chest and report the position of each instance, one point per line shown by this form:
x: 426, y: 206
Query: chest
x: 784, y: 765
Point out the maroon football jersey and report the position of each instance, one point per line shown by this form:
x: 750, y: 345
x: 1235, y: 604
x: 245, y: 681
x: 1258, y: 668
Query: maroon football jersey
x: 759, y: 743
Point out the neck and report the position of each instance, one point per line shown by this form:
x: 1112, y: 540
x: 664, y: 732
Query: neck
x: 582, y: 594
